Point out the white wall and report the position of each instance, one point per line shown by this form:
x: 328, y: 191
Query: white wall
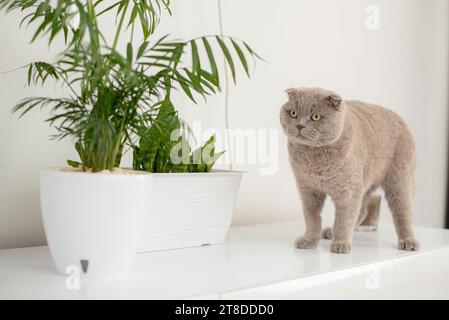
x: 403, y: 65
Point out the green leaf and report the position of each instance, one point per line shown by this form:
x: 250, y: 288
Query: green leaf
x: 208, y: 155
x: 133, y: 16
x: 142, y: 49
x: 216, y: 156
x: 129, y: 53
x: 74, y: 164
x: 30, y: 73
x: 66, y: 33
x: 196, y: 65
x: 144, y: 24
x: 195, y: 160
x: 241, y: 56
x: 151, y: 154
x: 109, y: 8
x: 251, y: 51
x: 182, y: 146
x: 184, y: 83
x: 121, y: 6
x: 213, y: 64
x: 227, y: 55
x: 167, y: 84
x: 194, y: 81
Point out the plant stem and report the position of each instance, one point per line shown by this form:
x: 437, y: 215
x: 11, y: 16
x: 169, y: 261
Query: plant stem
x: 119, y: 28
x: 93, y: 30
x: 118, y: 142
x: 132, y: 34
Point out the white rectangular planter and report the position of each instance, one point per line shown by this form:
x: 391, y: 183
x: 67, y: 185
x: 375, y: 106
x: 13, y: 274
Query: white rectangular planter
x: 189, y: 209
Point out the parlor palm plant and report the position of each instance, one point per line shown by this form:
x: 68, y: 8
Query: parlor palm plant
x: 114, y: 97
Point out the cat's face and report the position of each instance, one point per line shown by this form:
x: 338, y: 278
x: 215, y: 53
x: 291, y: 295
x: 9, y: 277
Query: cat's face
x: 312, y: 116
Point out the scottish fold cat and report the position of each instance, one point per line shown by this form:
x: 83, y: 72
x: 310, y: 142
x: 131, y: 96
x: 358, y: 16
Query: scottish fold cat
x: 346, y: 150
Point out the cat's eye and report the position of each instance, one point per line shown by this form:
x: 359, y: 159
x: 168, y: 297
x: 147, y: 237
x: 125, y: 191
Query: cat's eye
x: 316, y: 117
x: 293, y: 113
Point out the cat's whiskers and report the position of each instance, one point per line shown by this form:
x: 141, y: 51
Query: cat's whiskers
x: 292, y: 131
x: 308, y: 134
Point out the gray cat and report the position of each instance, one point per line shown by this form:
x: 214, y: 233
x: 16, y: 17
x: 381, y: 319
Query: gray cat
x: 346, y: 149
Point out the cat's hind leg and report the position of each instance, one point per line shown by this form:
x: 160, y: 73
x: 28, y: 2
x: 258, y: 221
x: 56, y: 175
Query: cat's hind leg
x: 398, y: 187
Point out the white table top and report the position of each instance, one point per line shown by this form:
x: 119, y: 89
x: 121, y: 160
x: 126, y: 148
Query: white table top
x: 252, y: 256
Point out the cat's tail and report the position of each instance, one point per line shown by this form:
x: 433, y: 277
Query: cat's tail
x: 413, y: 180
x: 369, y: 223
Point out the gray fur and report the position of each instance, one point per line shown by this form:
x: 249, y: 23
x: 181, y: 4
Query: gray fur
x: 355, y: 148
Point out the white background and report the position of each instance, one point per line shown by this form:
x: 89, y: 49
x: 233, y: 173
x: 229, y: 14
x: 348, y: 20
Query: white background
x: 403, y: 65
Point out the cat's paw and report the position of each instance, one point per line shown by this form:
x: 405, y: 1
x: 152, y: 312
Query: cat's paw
x: 326, y: 233
x: 341, y: 246
x: 306, y: 243
x: 408, y: 244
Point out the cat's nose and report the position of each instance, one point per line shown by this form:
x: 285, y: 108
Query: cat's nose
x: 299, y: 127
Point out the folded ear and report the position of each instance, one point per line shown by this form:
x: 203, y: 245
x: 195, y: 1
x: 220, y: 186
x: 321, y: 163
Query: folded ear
x: 291, y: 92
x: 335, y: 101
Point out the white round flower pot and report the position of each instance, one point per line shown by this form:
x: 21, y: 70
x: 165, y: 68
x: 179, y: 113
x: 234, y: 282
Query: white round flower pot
x: 189, y: 209
x: 93, y: 221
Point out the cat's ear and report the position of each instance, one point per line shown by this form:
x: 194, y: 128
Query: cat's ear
x: 291, y: 92
x: 335, y: 102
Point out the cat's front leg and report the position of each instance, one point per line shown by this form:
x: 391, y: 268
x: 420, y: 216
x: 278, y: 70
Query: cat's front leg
x: 312, y: 202
x: 346, y: 215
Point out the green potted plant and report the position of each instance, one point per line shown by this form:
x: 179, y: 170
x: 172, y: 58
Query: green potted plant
x: 95, y: 212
